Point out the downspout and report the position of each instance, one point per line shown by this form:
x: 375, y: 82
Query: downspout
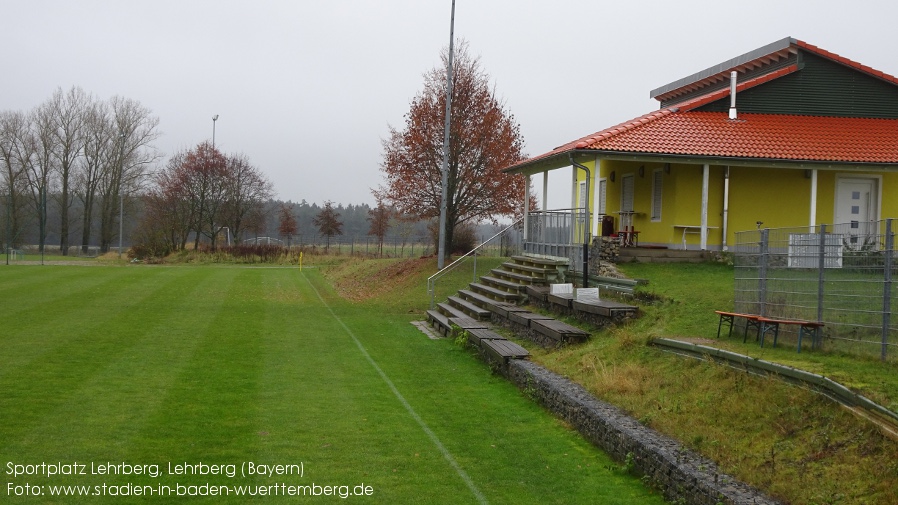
x: 726, y: 205
x: 585, y: 224
x: 813, y: 213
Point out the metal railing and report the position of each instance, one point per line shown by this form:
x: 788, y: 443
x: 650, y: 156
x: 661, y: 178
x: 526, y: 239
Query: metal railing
x: 560, y: 233
x: 840, y: 275
x: 471, y: 255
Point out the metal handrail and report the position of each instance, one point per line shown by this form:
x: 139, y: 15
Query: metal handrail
x: 431, y: 281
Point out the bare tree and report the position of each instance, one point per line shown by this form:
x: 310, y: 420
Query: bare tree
x: 39, y: 166
x: 67, y: 113
x: 100, y: 153
x: 14, y: 129
x: 132, y: 156
x: 247, y: 189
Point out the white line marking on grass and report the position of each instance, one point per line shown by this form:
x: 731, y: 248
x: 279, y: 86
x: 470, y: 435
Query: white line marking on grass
x: 433, y: 437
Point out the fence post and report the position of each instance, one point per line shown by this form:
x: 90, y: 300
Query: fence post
x: 820, y: 275
x: 887, y: 289
x: 475, y: 265
x: 762, y: 271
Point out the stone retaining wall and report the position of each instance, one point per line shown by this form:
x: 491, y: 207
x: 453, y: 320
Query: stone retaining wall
x: 679, y: 473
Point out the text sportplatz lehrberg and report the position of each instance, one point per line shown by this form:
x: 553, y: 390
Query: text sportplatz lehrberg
x: 155, y: 470
x: 87, y: 479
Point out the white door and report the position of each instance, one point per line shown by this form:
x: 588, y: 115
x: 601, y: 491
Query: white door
x: 857, y: 209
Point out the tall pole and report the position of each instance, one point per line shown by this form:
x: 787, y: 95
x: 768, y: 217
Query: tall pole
x: 8, y: 224
x: 441, y: 255
x: 214, y: 119
x: 121, y: 196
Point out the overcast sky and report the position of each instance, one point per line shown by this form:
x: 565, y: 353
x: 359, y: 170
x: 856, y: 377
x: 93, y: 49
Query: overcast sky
x: 307, y: 89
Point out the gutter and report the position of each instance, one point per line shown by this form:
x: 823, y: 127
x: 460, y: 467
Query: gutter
x: 586, y: 223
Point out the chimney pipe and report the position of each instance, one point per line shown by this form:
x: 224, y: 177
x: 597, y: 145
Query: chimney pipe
x: 733, y: 114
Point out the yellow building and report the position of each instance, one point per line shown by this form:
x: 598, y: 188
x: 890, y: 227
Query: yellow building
x: 786, y: 135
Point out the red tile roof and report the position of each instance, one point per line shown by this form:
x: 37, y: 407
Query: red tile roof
x: 764, y: 137
x: 759, y: 136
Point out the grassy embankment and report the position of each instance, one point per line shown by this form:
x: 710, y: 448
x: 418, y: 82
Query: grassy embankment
x: 792, y: 443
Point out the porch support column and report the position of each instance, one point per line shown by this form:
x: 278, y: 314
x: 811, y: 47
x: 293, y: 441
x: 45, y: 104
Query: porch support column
x: 706, y: 170
x: 574, y: 203
x: 595, y: 200
x: 526, y: 206
x: 546, y: 190
x: 812, y: 224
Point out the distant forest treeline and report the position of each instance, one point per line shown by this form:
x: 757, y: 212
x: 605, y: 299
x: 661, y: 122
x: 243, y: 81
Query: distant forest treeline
x: 354, y: 218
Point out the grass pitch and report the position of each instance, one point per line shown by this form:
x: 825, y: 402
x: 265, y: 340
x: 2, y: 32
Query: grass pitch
x: 166, y: 384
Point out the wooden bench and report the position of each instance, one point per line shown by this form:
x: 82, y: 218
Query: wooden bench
x: 501, y: 351
x: 561, y: 294
x: 559, y: 331
x: 477, y: 336
x: 729, y: 318
x: 763, y: 325
x: 811, y: 327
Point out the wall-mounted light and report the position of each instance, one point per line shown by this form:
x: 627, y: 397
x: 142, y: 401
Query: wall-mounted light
x: 667, y: 168
x: 807, y: 174
x: 611, y: 176
x: 642, y: 171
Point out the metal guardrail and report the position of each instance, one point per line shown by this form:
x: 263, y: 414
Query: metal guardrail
x: 431, y: 281
x: 883, y: 417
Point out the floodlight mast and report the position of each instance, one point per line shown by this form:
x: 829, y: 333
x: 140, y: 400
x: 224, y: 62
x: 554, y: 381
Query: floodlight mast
x: 441, y: 254
x: 214, y: 119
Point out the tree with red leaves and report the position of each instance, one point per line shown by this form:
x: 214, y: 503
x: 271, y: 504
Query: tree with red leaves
x: 202, y: 191
x: 287, y: 222
x: 484, y: 138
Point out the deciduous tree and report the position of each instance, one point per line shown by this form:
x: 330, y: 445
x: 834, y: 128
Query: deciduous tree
x: 328, y: 223
x: 379, y: 217
x: 287, y: 222
x: 484, y: 139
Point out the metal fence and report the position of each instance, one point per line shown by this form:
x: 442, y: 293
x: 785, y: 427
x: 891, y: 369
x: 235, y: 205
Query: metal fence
x: 559, y: 233
x: 369, y: 246
x: 840, y: 275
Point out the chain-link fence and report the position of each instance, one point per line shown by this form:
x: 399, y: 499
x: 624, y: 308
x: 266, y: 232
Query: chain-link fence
x: 839, y: 275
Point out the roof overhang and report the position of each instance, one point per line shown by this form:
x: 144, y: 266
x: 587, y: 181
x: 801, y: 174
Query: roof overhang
x: 563, y: 160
